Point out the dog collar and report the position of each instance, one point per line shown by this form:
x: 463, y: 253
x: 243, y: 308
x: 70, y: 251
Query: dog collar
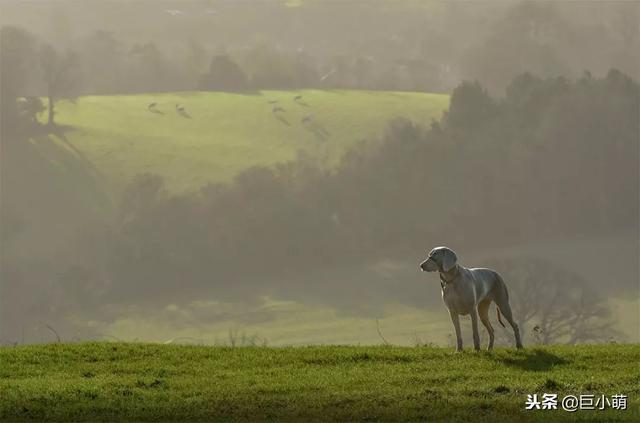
x: 444, y: 282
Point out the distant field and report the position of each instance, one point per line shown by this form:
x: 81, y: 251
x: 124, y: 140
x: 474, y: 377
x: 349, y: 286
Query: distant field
x: 220, y: 134
x: 151, y: 382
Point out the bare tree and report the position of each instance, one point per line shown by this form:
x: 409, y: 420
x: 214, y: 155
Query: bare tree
x: 555, y: 305
x: 58, y: 76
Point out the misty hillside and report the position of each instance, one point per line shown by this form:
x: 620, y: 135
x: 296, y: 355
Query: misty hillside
x: 489, y: 178
x: 216, y: 135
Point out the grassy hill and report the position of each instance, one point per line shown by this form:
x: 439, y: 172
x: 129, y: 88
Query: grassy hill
x: 220, y: 134
x: 150, y: 382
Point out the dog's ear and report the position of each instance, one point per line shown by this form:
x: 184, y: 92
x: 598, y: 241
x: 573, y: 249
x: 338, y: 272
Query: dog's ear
x: 449, y: 259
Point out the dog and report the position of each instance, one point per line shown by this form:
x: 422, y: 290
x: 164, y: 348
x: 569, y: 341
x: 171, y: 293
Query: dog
x: 470, y: 291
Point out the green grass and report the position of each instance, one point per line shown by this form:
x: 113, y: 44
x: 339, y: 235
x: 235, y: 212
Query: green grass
x: 150, y: 382
x: 227, y: 132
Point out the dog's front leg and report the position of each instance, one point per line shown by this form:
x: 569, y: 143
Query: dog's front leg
x: 474, y: 327
x: 455, y: 319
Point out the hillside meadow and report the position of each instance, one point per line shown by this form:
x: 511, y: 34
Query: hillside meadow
x: 192, y: 138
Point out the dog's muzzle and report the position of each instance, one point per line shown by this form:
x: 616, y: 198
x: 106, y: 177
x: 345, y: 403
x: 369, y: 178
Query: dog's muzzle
x: 428, y: 265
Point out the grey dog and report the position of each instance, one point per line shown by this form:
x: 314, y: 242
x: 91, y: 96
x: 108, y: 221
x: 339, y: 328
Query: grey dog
x: 470, y: 291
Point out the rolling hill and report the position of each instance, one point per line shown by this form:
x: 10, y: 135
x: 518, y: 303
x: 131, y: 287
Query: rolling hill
x: 219, y: 134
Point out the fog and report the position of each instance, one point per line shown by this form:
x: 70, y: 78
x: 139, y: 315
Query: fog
x: 533, y: 170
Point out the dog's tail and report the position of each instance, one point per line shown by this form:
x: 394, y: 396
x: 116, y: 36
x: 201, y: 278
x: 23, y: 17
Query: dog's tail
x: 499, y: 318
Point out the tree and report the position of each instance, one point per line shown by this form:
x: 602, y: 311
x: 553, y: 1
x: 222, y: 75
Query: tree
x: 30, y: 107
x: 224, y: 74
x: 530, y: 37
x: 196, y: 57
x: 58, y: 76
x: 152, y: 71
x: 555, y: 305
x: 471, y: 107
x: 103, y: 64
x: 17, y: 55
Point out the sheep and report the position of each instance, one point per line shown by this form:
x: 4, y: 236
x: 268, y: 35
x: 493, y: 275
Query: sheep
x: 182, y: 111
x: 298, y: 97
x: 152, y: 108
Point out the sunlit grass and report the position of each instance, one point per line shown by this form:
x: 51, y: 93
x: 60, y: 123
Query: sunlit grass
x: 150, y: 382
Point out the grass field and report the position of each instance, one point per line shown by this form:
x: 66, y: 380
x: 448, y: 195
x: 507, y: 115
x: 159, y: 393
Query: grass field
x: 220, y: 134
x: 150, y: 382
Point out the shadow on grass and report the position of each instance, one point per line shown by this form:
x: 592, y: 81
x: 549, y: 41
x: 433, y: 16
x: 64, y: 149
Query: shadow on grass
x: 60, y: 132
x: 532, y: 360
x: 63, y: 166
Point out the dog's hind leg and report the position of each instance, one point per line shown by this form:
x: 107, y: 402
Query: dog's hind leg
x: 483, y: 313
x: 501, y: 297
x: 505, y: 309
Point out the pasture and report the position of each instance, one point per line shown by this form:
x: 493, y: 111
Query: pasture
x: 192, y: 138
x: 152, y: 382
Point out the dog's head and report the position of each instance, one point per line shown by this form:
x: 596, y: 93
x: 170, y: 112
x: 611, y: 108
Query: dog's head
x: 441, y: 259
